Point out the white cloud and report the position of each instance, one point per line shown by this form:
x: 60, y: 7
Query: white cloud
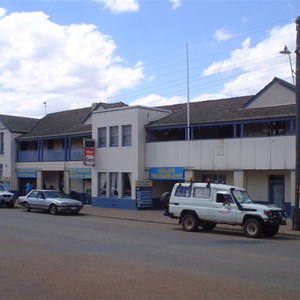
x: 257, y: 64
x: 66, y: 66
x: 212, y: 96
x: 120, y: 6
x: 2, y: 12
x: 157, y: 100
x: 175, y: 3
x: 223, y: 35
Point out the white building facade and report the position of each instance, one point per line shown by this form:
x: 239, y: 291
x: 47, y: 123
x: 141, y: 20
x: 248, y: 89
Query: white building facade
x: 246, y: 141
x: 140, y: 152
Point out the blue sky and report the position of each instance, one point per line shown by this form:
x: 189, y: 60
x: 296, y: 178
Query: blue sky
x: 65, y: 54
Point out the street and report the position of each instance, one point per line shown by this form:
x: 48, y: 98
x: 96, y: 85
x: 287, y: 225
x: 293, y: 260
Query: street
x: 90, y: 257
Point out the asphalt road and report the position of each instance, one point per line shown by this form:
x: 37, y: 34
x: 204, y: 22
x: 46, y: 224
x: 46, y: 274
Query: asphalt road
x: 89, y: 257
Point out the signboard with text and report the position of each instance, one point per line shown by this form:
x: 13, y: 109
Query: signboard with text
x: 26, y: 173
x: 89, y: 157
x: 166, y: 173
x: 80, y: 173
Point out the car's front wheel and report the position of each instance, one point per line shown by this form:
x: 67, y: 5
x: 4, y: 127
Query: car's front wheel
x: 26, y: 206
x: 53, y: 209
x: 252, y: 228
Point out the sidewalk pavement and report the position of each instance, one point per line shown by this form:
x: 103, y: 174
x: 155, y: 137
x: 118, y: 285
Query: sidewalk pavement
x: 157, y: 216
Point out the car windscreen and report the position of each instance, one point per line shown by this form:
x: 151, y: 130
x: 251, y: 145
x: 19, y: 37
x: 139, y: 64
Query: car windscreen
x: 242, y: 196
x: 54, y: 194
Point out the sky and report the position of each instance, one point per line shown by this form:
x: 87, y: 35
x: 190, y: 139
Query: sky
x: 64, y: 54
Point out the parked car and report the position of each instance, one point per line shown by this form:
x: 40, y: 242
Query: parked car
x: 52, y: 201
x: 6, y: 198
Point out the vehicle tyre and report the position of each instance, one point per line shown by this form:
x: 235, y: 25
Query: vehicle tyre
x: 190, y: 222
x: 164, y: 199
x: 26, y: 206
x: 252, y: 228
x: 208, y: 226
x: 270, y: 230
x: 53, y: 209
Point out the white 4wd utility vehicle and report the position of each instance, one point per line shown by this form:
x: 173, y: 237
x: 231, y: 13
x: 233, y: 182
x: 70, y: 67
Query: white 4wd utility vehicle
x: 207, y: 204
x: 6, y: 198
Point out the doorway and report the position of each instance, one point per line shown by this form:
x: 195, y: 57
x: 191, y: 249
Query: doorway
x: 276, y: 188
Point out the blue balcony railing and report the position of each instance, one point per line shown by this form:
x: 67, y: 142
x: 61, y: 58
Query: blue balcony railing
x: 31, y: 155
x: 50, y: 155
x: 76, y: 154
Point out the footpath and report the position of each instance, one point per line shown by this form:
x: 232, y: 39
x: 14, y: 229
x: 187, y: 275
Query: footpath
x: 157, y: 216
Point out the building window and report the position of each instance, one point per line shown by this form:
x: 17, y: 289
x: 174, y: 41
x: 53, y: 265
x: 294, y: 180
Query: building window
x: 102, y: 137
x: 113, y: 184
x: 126, y: 135
x: 1, y: 142
x: 114, y: 136
x: 126, y: 184
x: 102, y: 184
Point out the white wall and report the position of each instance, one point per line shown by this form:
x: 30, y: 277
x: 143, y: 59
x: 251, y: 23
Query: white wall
x: 273, y: 96
x: 7, y: 159
x: 267, y: 153
x: 123, y: 159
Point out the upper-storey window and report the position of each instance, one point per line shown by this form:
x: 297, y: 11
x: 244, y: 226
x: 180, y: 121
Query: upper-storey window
x: 1, y: 142
x: 102, y: 137
x: 126, y: 135
x: 114, y: 136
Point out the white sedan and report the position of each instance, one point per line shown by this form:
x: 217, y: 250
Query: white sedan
x: 52, y: 201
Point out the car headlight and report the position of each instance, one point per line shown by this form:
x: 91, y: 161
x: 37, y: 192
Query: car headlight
x: 267, y: 213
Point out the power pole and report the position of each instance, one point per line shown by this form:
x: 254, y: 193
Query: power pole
x: 296, y: 214
x: 188, y: 92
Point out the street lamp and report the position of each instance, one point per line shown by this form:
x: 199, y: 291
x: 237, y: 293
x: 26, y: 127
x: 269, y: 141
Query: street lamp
x: 288, y: 52
x: 296, y: 214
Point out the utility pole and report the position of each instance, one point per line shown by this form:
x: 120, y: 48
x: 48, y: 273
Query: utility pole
x: 188, y: 92
x: 296, y: 214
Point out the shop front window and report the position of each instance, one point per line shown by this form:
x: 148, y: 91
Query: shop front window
x: 126, y: 184
x: 102, y: 184
x: 113, y: 180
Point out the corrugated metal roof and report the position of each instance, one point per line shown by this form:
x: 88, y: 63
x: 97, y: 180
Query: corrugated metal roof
x: 222, y: 110
x: 18, y: 124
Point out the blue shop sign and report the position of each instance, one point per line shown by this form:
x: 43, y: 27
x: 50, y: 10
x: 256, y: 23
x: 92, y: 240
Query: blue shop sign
x: 80, y: 173
x: 26, y: 173
x: 166, y: 173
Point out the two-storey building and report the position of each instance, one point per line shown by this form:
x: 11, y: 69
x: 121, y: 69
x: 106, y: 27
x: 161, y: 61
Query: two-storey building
x: 11, y: 127
x: 139, y: 152
x: 246, y: 141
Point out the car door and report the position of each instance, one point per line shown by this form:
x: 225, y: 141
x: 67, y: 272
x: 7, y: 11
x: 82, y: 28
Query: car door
x: 224, y: 208
x: 41, y: 201
x: 32, y: 199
